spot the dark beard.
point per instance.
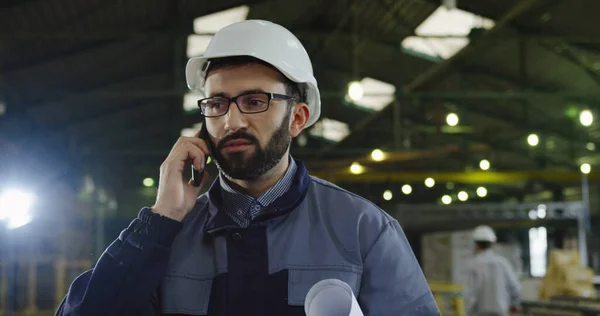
(238, 166)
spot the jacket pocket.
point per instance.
(185, 295)
(302, 279)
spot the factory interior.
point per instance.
(446, 114)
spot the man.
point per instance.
(492, 285)
(265, 231)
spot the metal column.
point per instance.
(583, 221)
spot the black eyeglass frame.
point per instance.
(270, 96)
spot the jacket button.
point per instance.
(236, 236)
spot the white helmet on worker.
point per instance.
(484, 233)
(269, 42)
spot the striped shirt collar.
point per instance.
(242, 208)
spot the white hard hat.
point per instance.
(269, 42)
(484, 233)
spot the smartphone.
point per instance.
(197, 175)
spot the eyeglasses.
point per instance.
(248, 103)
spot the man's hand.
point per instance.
(176, 197)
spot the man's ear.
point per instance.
(300, 115)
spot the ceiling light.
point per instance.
(387, 195)
(429, 182)
(463, 196)
(356, 168)
(330, 129)
(586, 118)
(452, 119)
(590, 146)
(355, 91)
(533, 140)
(484, 164)
(148, 182)
(406, 189)
(377, 155)
(481, 192)
(585, 168)
(446, 199)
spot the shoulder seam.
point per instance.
(387, 225)
(388, 216)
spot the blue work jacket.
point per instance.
(208, 265)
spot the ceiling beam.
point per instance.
(473, 177)
(300, 33)
(436, 71)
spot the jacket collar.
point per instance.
(286, 203)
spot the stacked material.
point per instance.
(445, 256)
(566, 277)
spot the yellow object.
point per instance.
(566, 277)
(471, 177)
(449, 298)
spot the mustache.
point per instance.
(237, 135)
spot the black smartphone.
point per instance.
(198, 174)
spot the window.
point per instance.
(538, 247)
(376, 94)
(211, 23)
(443, 22)
(197, 43)
(330, 130)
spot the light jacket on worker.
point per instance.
(208, 265)
(492, 285)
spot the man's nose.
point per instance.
(234, 119)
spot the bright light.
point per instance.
(148, 182)
(446, 199)
(15, 208)
(533, 140)
(585, 168)
(355, 91)
(377, 155)
(406, 189)
(590, 146)
(209, 160)
(463, 196)
(538, 251)
(533, 214)
(484, 164)
(444, 21)
(375, 94)
(452, 119)
(330, 130)
(586, 118)
(481, 192)
(357, 168)
(211, 23)
(387, 195)
(541, 213)
(429, 182)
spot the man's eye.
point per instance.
(257, 102)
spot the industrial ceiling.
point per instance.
(96, 88)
